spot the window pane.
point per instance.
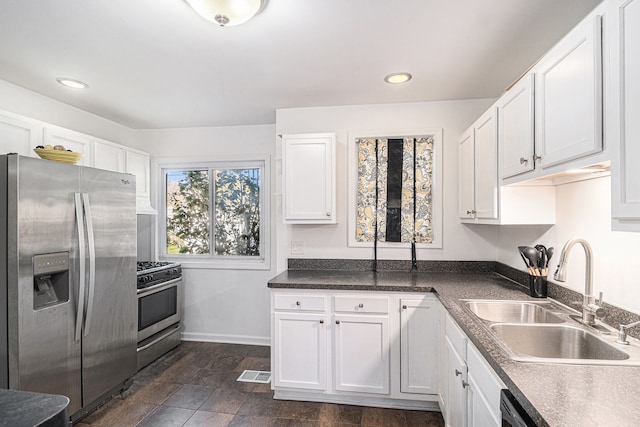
(188, 212)
(237, 211)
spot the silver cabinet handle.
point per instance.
(322, 322)
(468, 212)
(523, 161)
(328, 213)
(298, 303)
(404, 307)
(536, 158)
(458, 372)
(337, 322)
(465, 384)
(361, 305)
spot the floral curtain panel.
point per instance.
(392, 173)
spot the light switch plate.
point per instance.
(297, 247)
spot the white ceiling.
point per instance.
(156, 64)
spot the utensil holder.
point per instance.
(538, 286)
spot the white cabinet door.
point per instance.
(483, 394)
(456, 393)
(486, 166)
(308, 178)
(109, 156)
(19, 135)
(300, 351)
(71, 140)
(624, 131)
(478, 409)
(515, 129)
(466, 175)
(137, 163)
(419, 347)
(361, 351)
(569, 96)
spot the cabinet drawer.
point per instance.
(299, 302)
(356, 304)
(456, 336)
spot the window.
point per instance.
(214, 212)
(395, 189)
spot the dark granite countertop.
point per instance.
(26, 409)
(553, 394)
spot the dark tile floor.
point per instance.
(195, 385)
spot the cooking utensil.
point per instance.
(532, 256)
(542, 256)
(549, 255)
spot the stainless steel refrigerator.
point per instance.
(67, 270)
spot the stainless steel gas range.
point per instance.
(159, 288)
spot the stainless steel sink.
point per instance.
(512, 311)
(531, 342)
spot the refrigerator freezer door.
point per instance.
(41, 219)
(110, 334)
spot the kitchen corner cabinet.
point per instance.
(71, 140)
(481, 200)
(355, 347)
(478, 165)
(624, 110)
(19, 135)
(138, 163)
(472, 395)
(516, 129)
(568, 96)
(309, 178)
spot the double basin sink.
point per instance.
(545, 332)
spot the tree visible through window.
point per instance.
(226, 201)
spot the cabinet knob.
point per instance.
(523, 161)
(328, 213)
(468, 212)
(465, 384)
(337, 322)
(536, 158)
(404, 307)
(298, 303)
(322, 322)
(361, 305)
(458, 372)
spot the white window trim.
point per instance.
(262, 262)
(436, 199)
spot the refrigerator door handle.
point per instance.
(81, 256)
(92, 262)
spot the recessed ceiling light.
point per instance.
(398, 78)
(72, 83)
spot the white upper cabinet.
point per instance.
(624, 113)
(466, 175)
(109, 156)
(308, 178)
(568, 96)
(486, 166)
(516, 129)
(71, 140)
(137, 163)
(19, 135)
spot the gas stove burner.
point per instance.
(145, 266)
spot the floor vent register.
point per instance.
(248, 376)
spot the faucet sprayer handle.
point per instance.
(599, 301)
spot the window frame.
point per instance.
(212, 260)
(437, 191)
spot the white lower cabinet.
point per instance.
(372, 348)
(472, 395)
(361, 351)
(300, 350)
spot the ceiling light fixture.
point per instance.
(227, 13)
(72, 83)
(397, 78)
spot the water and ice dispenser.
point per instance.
(50, 279)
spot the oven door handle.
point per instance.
(157, 288)
(160, 338)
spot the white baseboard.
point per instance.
(227, 339)
(378, 402)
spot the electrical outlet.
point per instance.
(297, 247)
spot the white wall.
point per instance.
(24, 102)
(330, 241)
(219, 305)
(584, 209)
